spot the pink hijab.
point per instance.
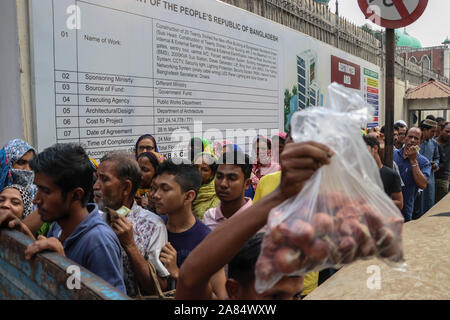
(259, 169)
(275, 155)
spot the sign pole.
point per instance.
(390, 98)
(391, 14)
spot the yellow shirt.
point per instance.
(266, 185)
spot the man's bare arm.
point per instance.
(218, 285)
(397, 198)
(298, 161)
(419, 178)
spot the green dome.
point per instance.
(405, 40)
(446, 41)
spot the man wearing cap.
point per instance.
(414, 168)
(430, 150)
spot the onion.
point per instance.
(301, 233)
(287, 260)
(264, 268)
(322, 224)
(318, 250)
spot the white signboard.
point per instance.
(108, 71)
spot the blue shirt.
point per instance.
(410, 188)
(186, 241)
(250, 192)
(94, 245)
(430, 150)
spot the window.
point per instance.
(426, 63)
(301, 81)
(413, 60)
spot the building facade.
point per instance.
(435, 59)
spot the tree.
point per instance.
(366, 27)
(287, 98)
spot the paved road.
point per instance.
(426, 244)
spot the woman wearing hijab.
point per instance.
(19, 153)
(206, 197)
(263, 164)
(278, 142)
(145, 143)
(149, 163)
(16, 199)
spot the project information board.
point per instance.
(107, 71)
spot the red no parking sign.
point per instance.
(392, 14)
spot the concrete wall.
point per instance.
(10, 93)
(428, 104)
(400, 111)
(399, 105)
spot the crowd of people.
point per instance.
(420, 174)
(197, 224)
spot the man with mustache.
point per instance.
(414, 168)
(142, 234)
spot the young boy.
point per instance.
(173, 190)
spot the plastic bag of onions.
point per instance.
(342, 213)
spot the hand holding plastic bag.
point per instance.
(342, 213)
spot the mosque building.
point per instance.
(436, 58)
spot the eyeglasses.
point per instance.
(150, 148)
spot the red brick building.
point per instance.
(436, 59)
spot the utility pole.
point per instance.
(390, 97)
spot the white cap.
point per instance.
(401, 122)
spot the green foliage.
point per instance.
(287, 100)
